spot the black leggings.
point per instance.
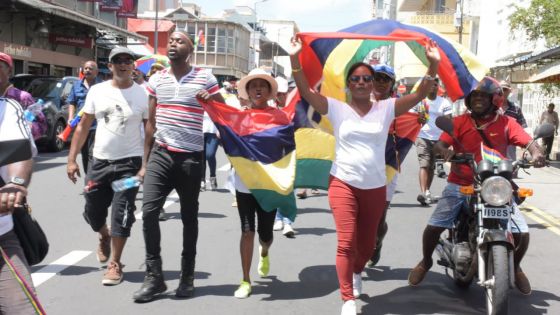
(248, 206)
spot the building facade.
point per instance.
(56, 37)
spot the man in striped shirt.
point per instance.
(174, 147)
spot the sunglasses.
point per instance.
(380, 77)
(119, 61)
(356, 78)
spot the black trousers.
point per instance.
(167, 170)
(547, 142)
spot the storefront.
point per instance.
(40, 61)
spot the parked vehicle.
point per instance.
(23, 80)
(54, 92)
(481, 242)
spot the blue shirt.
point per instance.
(78, 95)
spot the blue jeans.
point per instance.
(449, 206)
(280, 217)
(210, 148)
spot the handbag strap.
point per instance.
(31, 296)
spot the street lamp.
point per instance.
(255, 32)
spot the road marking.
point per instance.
(546, 220)
(225, 167)
(171, 199)
(49, 271)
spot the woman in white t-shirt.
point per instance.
(357, 183)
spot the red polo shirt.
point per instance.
(501, 133)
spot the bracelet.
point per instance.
(295, 70)
(429, 78)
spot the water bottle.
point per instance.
(33, 110)
(125, 183)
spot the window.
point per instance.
(440, 6)
(230, 42)
(221, 40)
(211, 39)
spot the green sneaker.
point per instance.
(264, 264)
(243, 291)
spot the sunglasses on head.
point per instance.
(122, 61)
(380, 77)
(356, 78)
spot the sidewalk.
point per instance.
(545, 183)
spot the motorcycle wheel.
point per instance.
(497, 266)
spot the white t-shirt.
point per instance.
(360, 142)
(12, 127)
(208, 125)
(438, 107)
(120, 114)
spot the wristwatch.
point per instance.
(17, 181)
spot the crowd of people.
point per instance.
(151, 128)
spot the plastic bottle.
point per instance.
(126, 183)
(33, 110)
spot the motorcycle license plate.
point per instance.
(496, 213)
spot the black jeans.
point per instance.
(12, 298)
(167, 170)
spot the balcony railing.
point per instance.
(435, 18)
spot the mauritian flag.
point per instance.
(260, 146)
(490, 154)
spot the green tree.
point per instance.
(540, 20)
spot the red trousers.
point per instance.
(357, 213)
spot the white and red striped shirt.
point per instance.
(178, 114)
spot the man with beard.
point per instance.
(483, 124)
(174, 160)
(76, 100)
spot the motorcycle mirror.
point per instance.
(14, 151)
(543, 131)
(445, 124)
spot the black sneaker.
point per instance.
(422, 199)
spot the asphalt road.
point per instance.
(302, 278)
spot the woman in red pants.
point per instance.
(357, 182)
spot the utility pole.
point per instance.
(461, 23)
(156, 29)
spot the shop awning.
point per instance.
(548, 74)
(81, 18)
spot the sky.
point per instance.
(309, 15)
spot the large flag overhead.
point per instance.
(259, 144)
(327, 56)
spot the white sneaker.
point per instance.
(288, 231)
(357, 284)
(278, 225)
(203, 185)
(428, 197)
(349, 308)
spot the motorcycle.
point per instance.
(481, 241)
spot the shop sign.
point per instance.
(84, 42)
(17, 50)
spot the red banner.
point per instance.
(129, 9)
(84, 42)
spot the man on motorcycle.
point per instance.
(481, 124)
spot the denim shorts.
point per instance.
(449, 206)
